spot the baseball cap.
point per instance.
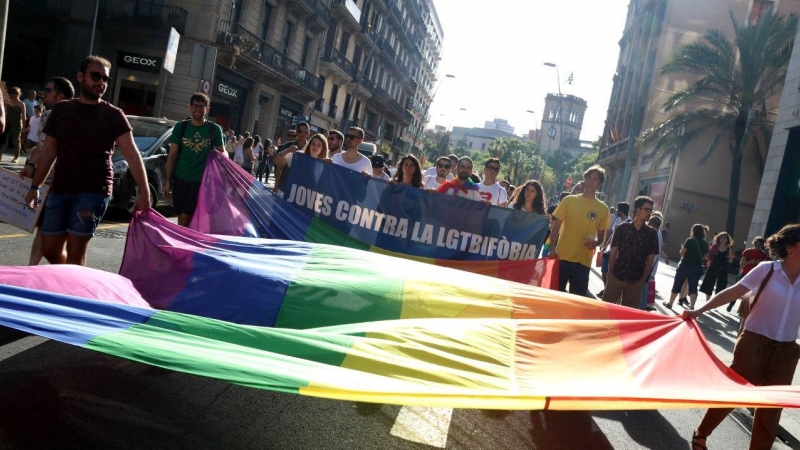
(377, 161)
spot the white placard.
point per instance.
(172, 50)
(12, 201)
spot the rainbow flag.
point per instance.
(232, 202)
(365, 327)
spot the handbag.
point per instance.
(747, 306)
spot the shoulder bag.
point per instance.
(747, 306)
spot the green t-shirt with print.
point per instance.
(193, 148)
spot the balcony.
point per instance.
(368, 84)
(338, 64)
(368, 35)
(151, 15)
(302, 8)
(348, 11)
(321, 18)
(247, 48)
(57, 7)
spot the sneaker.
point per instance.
(650, 308)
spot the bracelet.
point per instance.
(35, 187)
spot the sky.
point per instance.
(497, 49)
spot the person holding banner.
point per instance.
(441, 173)
(584, 220)
(530, 198)
(56, 90)
(409, 172)
(491, 191)
(300, 134)
(351, 158)
(462, 185)
(81, 135)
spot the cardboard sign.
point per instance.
(12, 201)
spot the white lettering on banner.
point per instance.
(140, 61)
(227, 90)
(356, 215)
(12, 201)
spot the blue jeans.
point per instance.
(77, 214)
(576, 274)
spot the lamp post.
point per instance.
(560, 113)
(424, 123)
(450, 127)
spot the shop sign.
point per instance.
(287, 114)
(231, 93)
(142, 63)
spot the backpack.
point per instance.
(182, 130)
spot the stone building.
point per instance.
(686, 191)
(266, 64)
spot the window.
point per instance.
(470, 144)
(236, 10)
(347, 100)
(334, 94)
(344, 42)
(388, 132)
(760, 7)
(483, 146)
(287, 37)
(306, 48)
(358, 110)
(266, 14)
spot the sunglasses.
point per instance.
(444, 166)
(353, 137)
(97, 76)
(495, 168)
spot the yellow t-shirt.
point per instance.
(582, 218)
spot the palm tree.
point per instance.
(738, 79)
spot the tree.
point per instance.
(737, 78)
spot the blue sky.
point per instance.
(496, 50)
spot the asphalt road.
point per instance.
(57, 396)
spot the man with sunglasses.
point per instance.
(300, 136)
(351, 158)
(80, 140)
(56, 90)
(490, 189)
(441, 173)
(189, 145)
(634, 248)
(462, 186)
(434, 171)
(335, 141)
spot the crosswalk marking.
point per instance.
(424, 425)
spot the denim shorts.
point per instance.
(77, 214)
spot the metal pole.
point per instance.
(3, 24)
(94, 27)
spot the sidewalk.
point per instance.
(719, 328)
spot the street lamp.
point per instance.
(560, 113)
(450, 127)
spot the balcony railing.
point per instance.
(246, 43)
(322, 12)
(368, 84)
(336, 57)
(157, 16)
(59, 7)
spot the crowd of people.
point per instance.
(69, 142)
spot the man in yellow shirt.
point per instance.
(580, 222)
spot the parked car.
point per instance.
(367, 149)
(150, 135)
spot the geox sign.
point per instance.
(138, 62)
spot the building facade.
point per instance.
(499, 124)
(266, 64)
(562, 116)
(685, 190)
(473, 139)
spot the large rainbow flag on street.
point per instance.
(232, 202)
(341, 323)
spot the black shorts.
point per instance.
(184, 196)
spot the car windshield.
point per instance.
(145, 133)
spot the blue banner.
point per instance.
(409, 220)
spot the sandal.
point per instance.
(698, 442)
(667, 304)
